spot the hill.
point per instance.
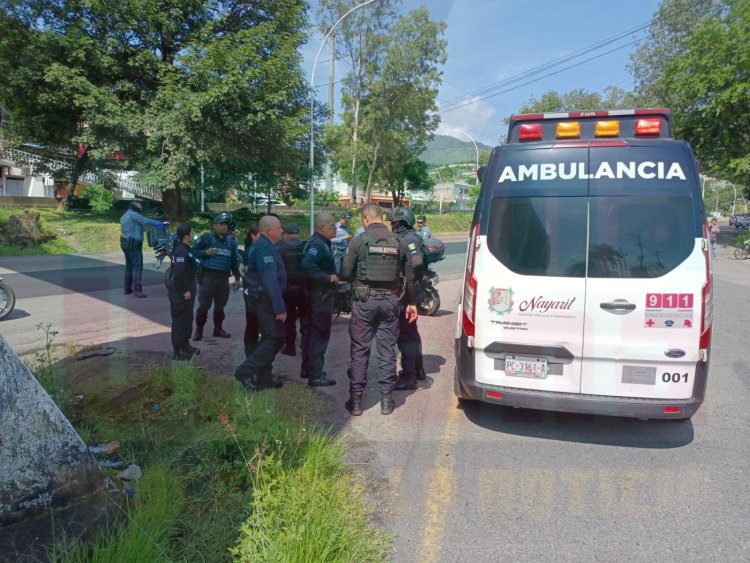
(444, 150)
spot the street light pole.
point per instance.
(475, 144)
(312, 112)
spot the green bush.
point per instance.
(100, 198)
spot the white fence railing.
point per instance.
(107, 178)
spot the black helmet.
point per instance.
(223, 218)
(404, 214)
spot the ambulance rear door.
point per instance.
(645, 274)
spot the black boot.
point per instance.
(321, 381)
(386, 403)
(405, 383)
(200, 321)
(421, 373)
(266, 379)
(289, 350)
(198, 333)
(219, 332)
(354, 404)
(192, 349)
(249, 382)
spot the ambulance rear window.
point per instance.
(629, 236)
(639, 237)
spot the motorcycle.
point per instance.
(428, 298)
(7, 299)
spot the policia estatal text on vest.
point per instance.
(377, 262)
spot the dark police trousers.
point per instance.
(260, 362)
(252, 335)
(375, 318)
(133, 250)
(214, 287)
(318, 332)
(182, 319)
(410, 345)
(297, 307)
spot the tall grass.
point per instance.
(227, 474)
(310, 511)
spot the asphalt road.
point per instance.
(486, 483)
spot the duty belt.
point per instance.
(381, 291)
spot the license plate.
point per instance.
(522, 366)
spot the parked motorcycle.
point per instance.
(428, 298)
(7, 299)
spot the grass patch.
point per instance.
(226, 474)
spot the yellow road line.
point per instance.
(439, 493)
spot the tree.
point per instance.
(552, 101)
(399, 111)
(413, 175)
(355, 40)
(173, 85)
(702, 72)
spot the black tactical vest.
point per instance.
(383, 263)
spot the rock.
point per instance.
(44, 463)
(132, 473)
(23, 230)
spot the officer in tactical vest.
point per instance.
(264, 280)
(319, 264)
(409, 341)
(219, 257)
(377, 263)
(292, 250)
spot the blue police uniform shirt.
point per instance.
(132, 224)
(184, 267)
(318, 260)
(228, 258)
(265, 271)
(425, 232)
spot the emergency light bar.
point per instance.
(622, 124)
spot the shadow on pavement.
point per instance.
(581, 428)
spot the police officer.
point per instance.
(131, 243)
(182, 294)
(376, 261)
(295, 298)
(321, 269)
(409, 341)
(219, 257)
(340, 241)
(263, 282)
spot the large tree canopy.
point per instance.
(172, 85)
(699, 66)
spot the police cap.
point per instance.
(291, 229)
(223, 218)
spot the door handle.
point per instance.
(618, 305)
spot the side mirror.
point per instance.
(480, 173)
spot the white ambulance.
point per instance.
(588, 284)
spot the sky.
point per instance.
(491, 41)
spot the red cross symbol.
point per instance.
(650, 322)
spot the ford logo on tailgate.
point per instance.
(674, 353)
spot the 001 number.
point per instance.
(667, 377)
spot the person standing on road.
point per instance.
(295, 298)
(219, 257)
(263, 282)
(182, 294)
(409, 341)
(318, 263)
(424, 230)
(713, 233)
(131, 243)
(376, 262)
(251, 336)
(340, 241)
